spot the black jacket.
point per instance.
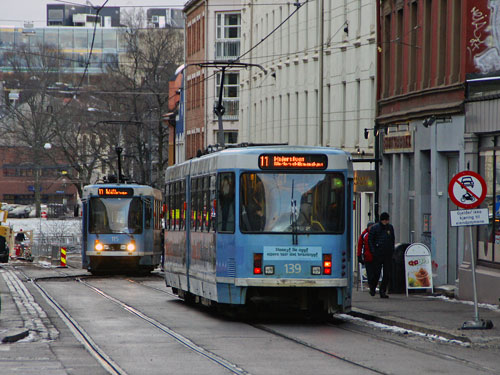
(381, 240)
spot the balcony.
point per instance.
(227, 49)
(231, 107)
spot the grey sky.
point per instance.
(16, 12)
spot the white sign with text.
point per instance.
(469, 217)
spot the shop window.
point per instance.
(488, 247)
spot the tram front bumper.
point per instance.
(341, 282)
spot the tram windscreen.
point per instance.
(292, 203)
(115, 215)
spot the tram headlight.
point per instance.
(131, 246)
(98, 246)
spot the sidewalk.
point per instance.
(435, 315)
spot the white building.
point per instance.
(305, 62)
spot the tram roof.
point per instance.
(246, 158)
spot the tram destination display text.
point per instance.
(115, 192)
(293, 161)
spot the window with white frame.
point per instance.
(228, 34)
(230, 94)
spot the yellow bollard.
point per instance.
(63, 257)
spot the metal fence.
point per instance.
(49, 246)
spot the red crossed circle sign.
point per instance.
(467, 189)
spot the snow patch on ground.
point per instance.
(400, 331)
(471, 303)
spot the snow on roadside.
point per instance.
(482, 305)
(48, 227)
(401, 331)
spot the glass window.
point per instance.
(292, 203)
(488, 249)
(66, 38)
(115, 215)
(228, 25)
(109, 39)
(225, 202)
(80, 40)
(148, 213)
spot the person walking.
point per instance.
(365, 256)
(381, 243)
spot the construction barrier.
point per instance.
(63, 257)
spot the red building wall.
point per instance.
(421, 57)
(195, 78)
(17, 179)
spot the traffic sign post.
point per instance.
(467, 190)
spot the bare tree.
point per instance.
(48, 114)
(29, 123)
(141, 92)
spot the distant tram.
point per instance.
(122, 228)
(262, 225)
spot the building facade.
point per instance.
(213, 32)
(314, 82)
(18, 174)
(426, 51)
(482, 140)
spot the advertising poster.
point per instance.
(418, 267)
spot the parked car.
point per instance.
(20, 211)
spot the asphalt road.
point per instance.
(139, 327)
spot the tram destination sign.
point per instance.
(293, 161)
(116, 192)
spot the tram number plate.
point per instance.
(293, 268)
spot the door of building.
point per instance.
(453, 257)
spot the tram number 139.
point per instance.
(293, 268)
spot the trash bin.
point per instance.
(398, 284)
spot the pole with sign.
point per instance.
(467, 190)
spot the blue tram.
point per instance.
(262, 224)
(122, 227)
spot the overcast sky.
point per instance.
(16, 12)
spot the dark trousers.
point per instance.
(373, 270)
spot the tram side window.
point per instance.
(206, 203)
(194, 202)
(177, 206)
(225, 204)
(169, 205)
(135, 216)
(212, 197)
(148, 213)
(98, 222)
(182, 207)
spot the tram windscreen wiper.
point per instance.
(293, 216)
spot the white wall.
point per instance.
(285, 108)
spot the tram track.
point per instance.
(422, 350)
(372, 335)
(100, 355)
(114, 368)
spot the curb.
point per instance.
(410, 325)
(15, 335)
